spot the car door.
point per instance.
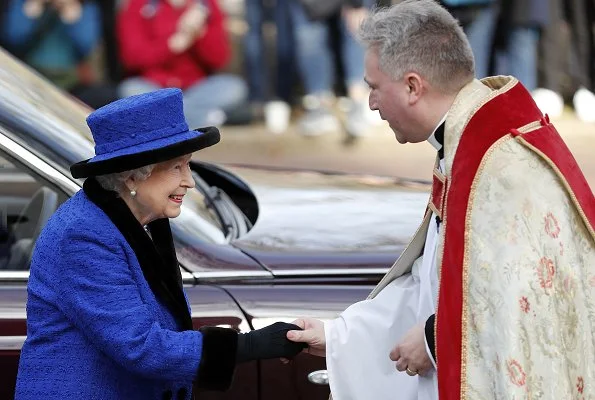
(30, 191)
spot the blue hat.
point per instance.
(141, 130)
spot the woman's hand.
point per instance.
(268, 342)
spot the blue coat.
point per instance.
(105, 320)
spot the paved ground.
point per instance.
(378, 153)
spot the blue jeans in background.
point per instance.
(204, 102)
(314, 55)
(519, 57)
(480, 33)
(257, 68)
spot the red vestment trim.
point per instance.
(439, 187)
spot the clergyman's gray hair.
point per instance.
(115, 181)
(420, 36)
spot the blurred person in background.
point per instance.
(567, 63)
(478, 19)
(183, 44)
(552, 62)
(516, 48)
(580, 15)
(259, 71)
(315, 63)
(57, 38)
(111, 62)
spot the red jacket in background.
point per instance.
(144, 50)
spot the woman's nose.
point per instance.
(188, 180)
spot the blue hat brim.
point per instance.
(147, 153)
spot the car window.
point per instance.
(26, 204)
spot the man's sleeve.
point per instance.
(431, 338)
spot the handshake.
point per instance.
(268, 342)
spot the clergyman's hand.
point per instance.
(410, 354)
(312, 334)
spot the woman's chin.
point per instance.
(173, 213)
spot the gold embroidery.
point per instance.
(465, 267)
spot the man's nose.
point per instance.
(372, 104)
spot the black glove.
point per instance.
(268, 342)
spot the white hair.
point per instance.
(115, 181)
(423, 37)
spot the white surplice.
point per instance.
(359, 341)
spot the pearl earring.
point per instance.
(133, 193)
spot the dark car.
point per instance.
(255, 245)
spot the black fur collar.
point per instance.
(156, 257)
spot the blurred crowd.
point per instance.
(312, 69)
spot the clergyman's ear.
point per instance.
(415, 86)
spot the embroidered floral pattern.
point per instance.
(545, 272)
(551, 225)
(580, 384)
(543, 308)
(524, 303)
(569, 284)
(516, 373)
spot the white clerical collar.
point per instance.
(432, 139)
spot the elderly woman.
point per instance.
(107, 317)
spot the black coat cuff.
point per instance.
(431, 335)
(218, 358)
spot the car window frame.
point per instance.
(39, 169)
